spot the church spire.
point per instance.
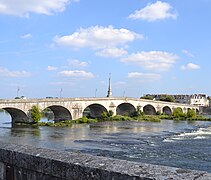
(109, 87)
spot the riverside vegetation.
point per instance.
(138, 116)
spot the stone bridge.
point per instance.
(74, 108)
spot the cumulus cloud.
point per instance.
(156, 11)
(144, 76)
(51, 68)
(77, 63)
(190, 66)
(76, 74)
(112, 52)
(4, 72)
(23, 8)
(154, 60)
(186, 52)
(26, 36)
(97, 37)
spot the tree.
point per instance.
(191, 113)
(147, 97)
(35, 114)
(177, 113)
(167, 98)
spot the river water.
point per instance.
(173, 143)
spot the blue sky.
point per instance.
(69, 47)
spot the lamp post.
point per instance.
(95, 92)
(61, 92)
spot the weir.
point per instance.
(21, 162)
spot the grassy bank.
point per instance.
(86, 120)
(138, 116)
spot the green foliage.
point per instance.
(110, 113)
(158, 113)
(35, 114)
(104, 115)
(164, 116)
(167, 98)
(83, 120)
(147, 97)
(120, 118)
(191, 113)
(138, 112)
(149, 118)
(178, 114)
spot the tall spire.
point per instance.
(109, 87)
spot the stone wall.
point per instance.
(23, 162)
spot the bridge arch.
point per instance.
(17, 115)
(167, 110)
(149, 110)
(60, 113)
(94, 110)
(125, 109)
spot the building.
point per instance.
(199, 100)
(195, 99)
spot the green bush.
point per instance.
(138, 112)
(191, 113)
(167, 98)
(149, 118)
(147, 97)
(35, 114)
(178, 114)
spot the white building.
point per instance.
(195, 99)
(199, 100)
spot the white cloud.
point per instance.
(4, 72)
(112, 52)
(97, 37)
(187, 53)
(190, 66)
(76, 74)
(26, 36)
(155, 60)
(152, 12)
(77, 63)
(51, 68)
(23, 8)
(144, 76)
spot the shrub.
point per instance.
(178, 114)
(191, 113)
(35, 114)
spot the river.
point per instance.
(172, 143)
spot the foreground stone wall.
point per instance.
(23, 162)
